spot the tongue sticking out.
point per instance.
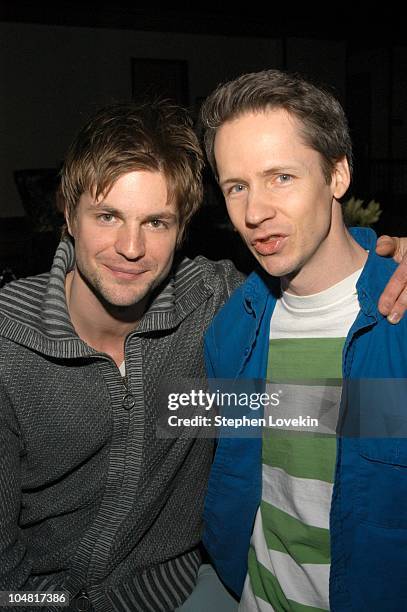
(269, 246)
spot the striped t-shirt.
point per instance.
(289, 557)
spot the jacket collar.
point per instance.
(33, 311)
(375, 274)
(258, 287)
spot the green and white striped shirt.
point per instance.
(289, 557)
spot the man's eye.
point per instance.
(237, 188)
(284, 178)
(106, 217)
(157, 223)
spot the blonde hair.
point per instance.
(121, 138)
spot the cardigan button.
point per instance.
(128, 401)
(246, 351)
(82, 602)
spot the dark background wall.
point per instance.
(57, 65)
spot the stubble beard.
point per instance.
(111, 296)
(118, 294)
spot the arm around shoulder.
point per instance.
(223, 275)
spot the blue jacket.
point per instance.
(368, 522)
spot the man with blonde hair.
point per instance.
(92, 503)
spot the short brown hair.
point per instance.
(322, 120)
(121, 138)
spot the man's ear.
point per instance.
(69, 223)
(340, 178)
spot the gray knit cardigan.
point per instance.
(90, 499)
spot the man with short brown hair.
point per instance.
(298, 518)
(92, 503)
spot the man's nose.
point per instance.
(130, 242)
(259, 207)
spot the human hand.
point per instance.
(393, 301)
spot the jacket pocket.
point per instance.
(383, 482)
